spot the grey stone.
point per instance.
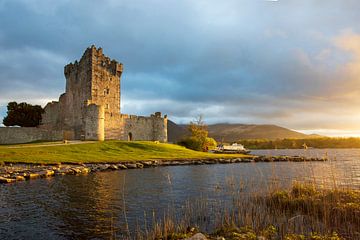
(198, 236)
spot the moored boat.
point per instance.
(233, 148)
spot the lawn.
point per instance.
(100, 152)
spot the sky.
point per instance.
(293, 63)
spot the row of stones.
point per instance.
(20, 172)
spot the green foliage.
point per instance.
(322, 142)
(192, 143)
(23, 115)
(198, 140)
(210, 143)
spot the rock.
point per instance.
(7, 180)
(46, 173)
(198, 236)
(209, 161)
(103, 167)
(247, 160)
(261, 238)
(60, 171)
(85, 170)
(76, 170)
(113, 167)
(20, 178)
(147, 164)
(31, 175)
(139, 165)
(131, 165)
(122, 166)
(224, 161)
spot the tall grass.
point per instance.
(277, 215)
(303, 211)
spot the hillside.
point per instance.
(233, 132)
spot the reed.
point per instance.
(303, 211)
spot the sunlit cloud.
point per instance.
(291, 63)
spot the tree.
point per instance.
(198, 139)
(23, 115)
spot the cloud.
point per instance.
(293, 63)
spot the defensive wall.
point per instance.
(13, 135)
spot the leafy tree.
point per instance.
(198, 139)
(23, 115)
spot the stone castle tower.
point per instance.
(90, 107)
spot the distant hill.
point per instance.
(232, 132)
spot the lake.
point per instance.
(103, 204)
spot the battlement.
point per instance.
(94, 57)
(90, 106)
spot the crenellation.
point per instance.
(90, 107)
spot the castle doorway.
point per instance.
(130, 137)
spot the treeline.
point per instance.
(324, 142)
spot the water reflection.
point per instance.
(101, 205)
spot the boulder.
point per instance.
(139, 165)
(7, 180)
(147, 164)
(31, 175)
(131, 165)
(113, 167)
(85, 170)
(198, 236)
(46, 173)
(20, 178)
(122, 166)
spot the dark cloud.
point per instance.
(293, 63)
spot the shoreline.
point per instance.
(17, 172)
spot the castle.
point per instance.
(90, 108)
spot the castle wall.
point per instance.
(12, 135)
(90, 107)
(50, 119)
(114, 126)
(130, 127)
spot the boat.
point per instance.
(233, 148)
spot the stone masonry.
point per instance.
(90, 107)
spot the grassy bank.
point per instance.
(99, 152)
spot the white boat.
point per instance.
(233, 148)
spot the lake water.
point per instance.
(100, 205)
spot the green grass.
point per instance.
(100, 152)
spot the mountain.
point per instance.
(176, 132)
(234, 132)
(227, 132)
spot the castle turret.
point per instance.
(94, 123)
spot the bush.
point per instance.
(23, 115)
(210, 143)
(192, 143)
